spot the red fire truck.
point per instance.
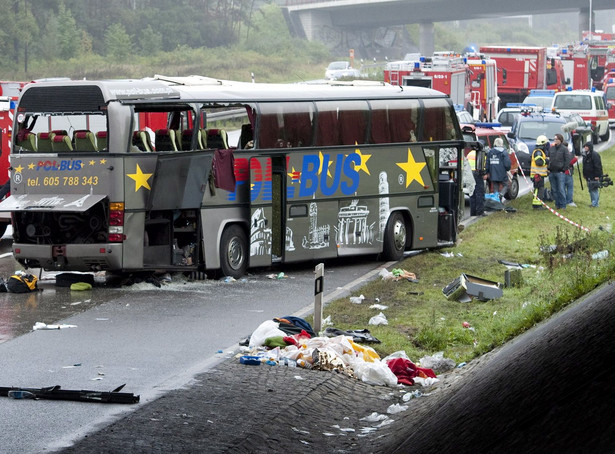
(521, 69)
(576, 67)
(483, 86)
(9, 93)
(444, 71)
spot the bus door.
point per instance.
(172, 223)
(262, 218)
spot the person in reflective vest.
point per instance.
(538, 170)
(477, 159)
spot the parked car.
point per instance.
(463, 115)
(486, 134)
(589, 104)
(540, 98)
(529, 125)
(341, 69)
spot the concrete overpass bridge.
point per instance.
(349, 23)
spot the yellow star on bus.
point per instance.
(19, 168)
(92, 162)
(364, 159)
(140, 179)
(412, 169)
(31, 166)
(321, 159)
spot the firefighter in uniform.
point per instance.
(538, 170)
(477, 159)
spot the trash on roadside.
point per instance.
(56, 393)
(396, 408)
(22, 282)
(68, 279)
(437, 362)
(513, 278)
(466, 287)
(358, 335)
(43, 326)
(280, 275)
(600, 255)
(380, 307)
(81, 286)
(357, 299)
(379, 319)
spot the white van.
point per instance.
(589, 104)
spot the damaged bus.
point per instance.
(134, 175)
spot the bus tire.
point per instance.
(395, 237)
(234, 251)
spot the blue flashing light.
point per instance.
(13, 105)
(542, 93)
(465, 60)
(569, 89)
(520, 104)
(564, 51)
(422, 59)
(593, 89)
(508, 49)
(487, 125)
(483, 62)
(417, 65)
(610, 81)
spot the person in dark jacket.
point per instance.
(497, 167)
(559, 160)
(592, 171)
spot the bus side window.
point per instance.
(403, 129)
(380, 126)
(353, 124)
(101, 140)
(298, 129)
(327, 124)
(268, 130)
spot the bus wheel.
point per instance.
(394, 238)
(234, 251)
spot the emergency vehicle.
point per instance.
(444, 71)
(483, 86)
(609, 92)
(576, 67)
(9, 93)
(521, 69)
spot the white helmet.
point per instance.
(541, 140)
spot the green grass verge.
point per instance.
(427, 323)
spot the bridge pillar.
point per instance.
(584, 21)
(426, 38)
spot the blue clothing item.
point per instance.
(498, 163)
(557, 189)
(568, 188)
(594, 196)
(477, 199)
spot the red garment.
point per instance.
(405, 371)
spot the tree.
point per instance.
(69, 35)
(118, 43)
(150, 41)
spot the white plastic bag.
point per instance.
(268, 328)
(379, 319)
(374, 373)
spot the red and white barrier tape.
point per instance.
(555, 212)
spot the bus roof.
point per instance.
(197, 88)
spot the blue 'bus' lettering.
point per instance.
(352, 174)
(309, 175)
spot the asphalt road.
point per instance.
(153, 339)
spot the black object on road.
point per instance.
(56, 393)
